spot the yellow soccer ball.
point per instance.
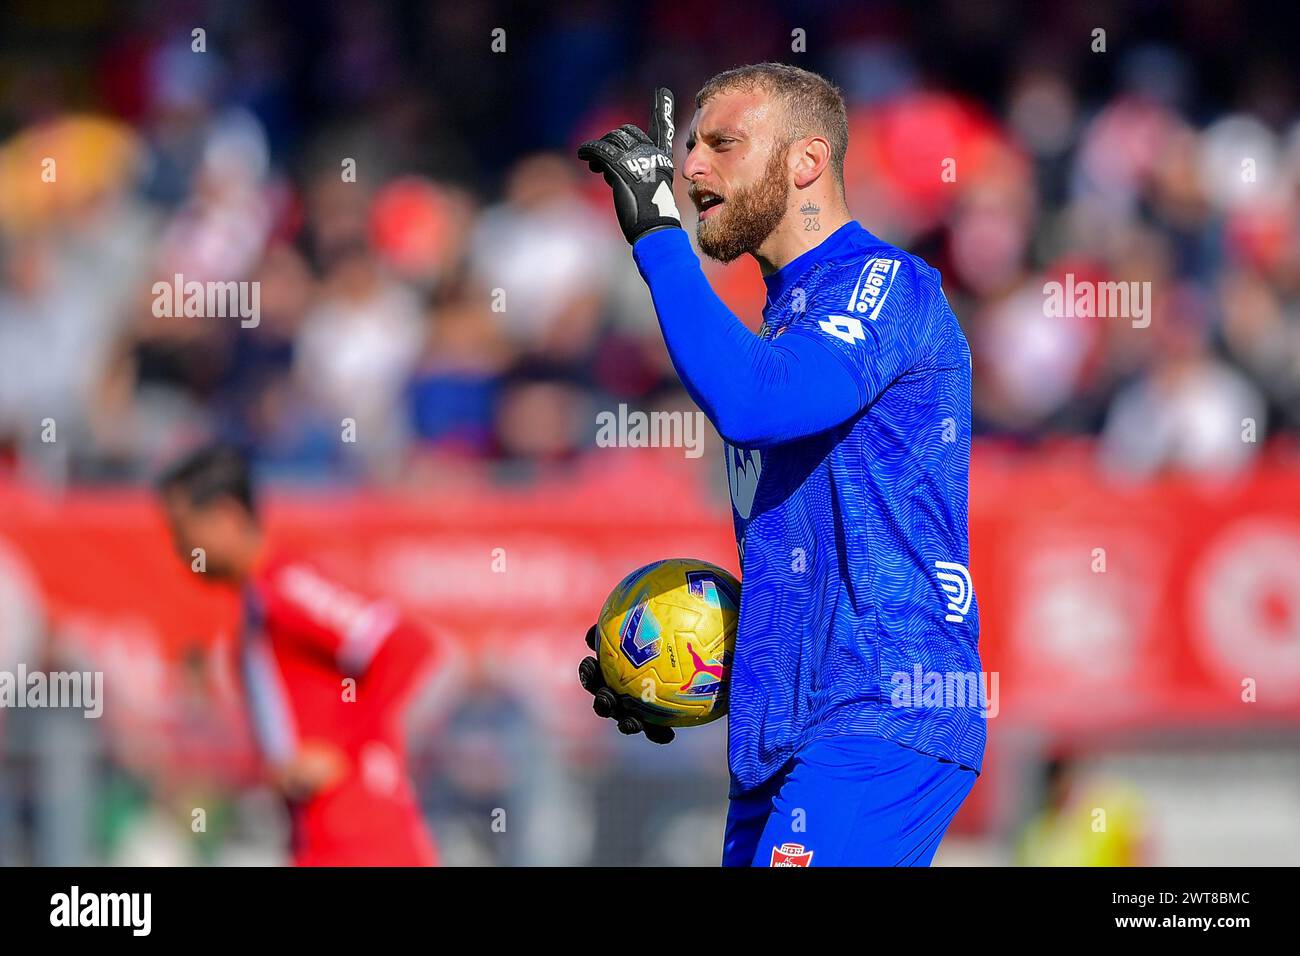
(666, 636)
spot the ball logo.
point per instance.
(708, 677)
(638, 638)
(713, 591)
(791, 854)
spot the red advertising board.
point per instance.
(1103, 604)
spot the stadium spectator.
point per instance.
(456, 292)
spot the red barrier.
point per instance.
(1102, 605)
(1105, 603)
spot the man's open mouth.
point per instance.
(707, 202)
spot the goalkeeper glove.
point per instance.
(619, 707)
(639, 168)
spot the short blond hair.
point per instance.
(813, 105)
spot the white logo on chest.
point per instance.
(955, 582)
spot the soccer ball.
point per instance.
(666, 636)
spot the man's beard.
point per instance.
(749, 215)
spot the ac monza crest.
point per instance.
(791, 854)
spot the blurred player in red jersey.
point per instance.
(334, 750)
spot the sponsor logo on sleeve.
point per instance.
(873, 287)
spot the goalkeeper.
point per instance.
(856, 723)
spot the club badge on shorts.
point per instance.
(791, 854)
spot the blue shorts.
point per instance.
(847, 801)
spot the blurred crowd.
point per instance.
(440, 281)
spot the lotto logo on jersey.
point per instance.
(844, 327)
(873, 287)
(791, 854)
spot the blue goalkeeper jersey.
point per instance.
(857, 610)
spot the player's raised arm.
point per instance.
(755, 392)
(640, 171)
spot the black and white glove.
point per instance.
(618, 707)
(639, 168)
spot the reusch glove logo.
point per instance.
(644, 165)
(639, 169)
(664, 134)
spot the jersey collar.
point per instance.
(788, 276)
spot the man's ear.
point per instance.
(811, 156)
